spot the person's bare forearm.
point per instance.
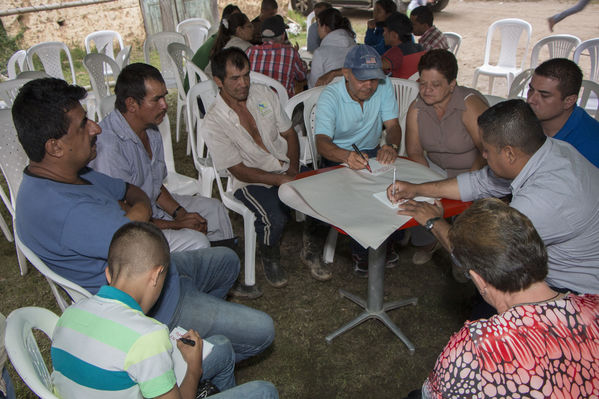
(139, 207)
(166, 202)
(393, 132)
(441, 231)
(292, 150)
(440, 189)
(330, 151)
(255, 175)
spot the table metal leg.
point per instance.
(374, 308)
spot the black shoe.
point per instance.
(240, 290)
(391, 257)
(360, 266)
(271, 262)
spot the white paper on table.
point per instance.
(343, 198)
(178, 362)
(376, 167)
(382, 196)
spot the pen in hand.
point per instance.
(393, 184)
(187, 341)
(355, 147)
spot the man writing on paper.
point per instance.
(549, 180)
(106, 346)
(354, 111)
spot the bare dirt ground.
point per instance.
(471, 19)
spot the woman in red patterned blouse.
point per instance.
(541, 344)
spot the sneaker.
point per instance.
(240, 290)
(318, 269)
(360, 266)
(425, 254)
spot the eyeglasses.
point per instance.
(459, 265)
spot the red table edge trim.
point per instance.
(450, 207)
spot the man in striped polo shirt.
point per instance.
(106, 345)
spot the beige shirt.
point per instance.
(230, 144)
(446, 140)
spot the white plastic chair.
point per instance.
(23, 351)
(206, 91)
(511, 30)
(9, 90)
(195, 31)
(558, 46)
(194, 72)
(104, 42)
(106, 106)
(33, 75)
(589, 98)
(160, 42)
(592, 47)
(454, 40)
(306, 151)
(74, 291)
(103, 72)
(492, 100)
(19, 59)
(49, 55)
(257, 77)
(12, 162)
(406, 91)
(178, 53)
(519, 86)
(122, 58)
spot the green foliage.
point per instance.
(8, 45)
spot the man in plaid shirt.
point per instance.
(275, 57)
(430, 36)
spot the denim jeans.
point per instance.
(205, 278)
(250, 390)
(219, 365)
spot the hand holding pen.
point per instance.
(357, 160)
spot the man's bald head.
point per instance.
(136, 248)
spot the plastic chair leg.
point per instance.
(328, 253)
(250, 249)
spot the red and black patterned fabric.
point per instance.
(548, 350)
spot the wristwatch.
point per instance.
(395, 147)
(430, 223)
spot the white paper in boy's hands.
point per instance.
(178, 361)
(382, 196)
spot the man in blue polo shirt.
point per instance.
(552, 95)
(354, 111)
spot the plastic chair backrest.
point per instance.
(49, 54)
(122, 58)
(309, 119)
(12, 156)
(194, 71)
(257, 77)
(195, 31)
(178, 53)
(492, 100)
(511, 30)
(207, 91)
(454, 40)
(592, 46)
(558, 46)
(23, 351)
(17, 59)
(9, 90)
(32, 75)
(106, 105)
(104, 42)
(589, 97)
(405, 91)
(97, 66)
(160, 42)
(519, 86)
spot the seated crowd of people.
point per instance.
(155, 260)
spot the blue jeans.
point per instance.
(250, 390)
(205, 278)
(10, 391)
(219, 365)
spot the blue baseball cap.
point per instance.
(364, 62)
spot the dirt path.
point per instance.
(471, 19)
